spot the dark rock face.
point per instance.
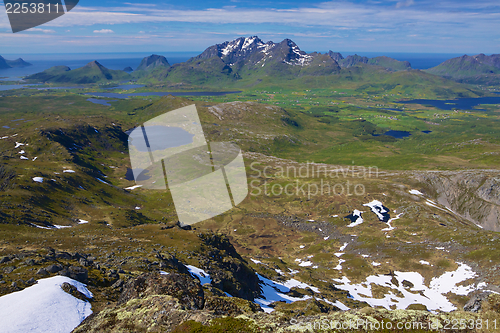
(75, 273)
(31, 281)
(54, 268)
(353, 60)
(335, 56)
(64, 255)
(228, 270)
(475, 302)
(4, 260)
(73, 291)
(171, 263)
(42, 272)
(181, 286)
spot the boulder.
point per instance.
(54, 268)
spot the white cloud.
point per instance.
(329, 15)
(389, 23)
(45, 31)
(406, 3)
(104, 31)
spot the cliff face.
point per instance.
(475, 195)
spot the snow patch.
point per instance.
(273, 291)
(339, 266)
(132, 187)
(337, 303)
(355, 218)
(200, 274)
(38, 179)
(389, 222)
(44, 307)
(378, 208)
(433, 297)
(416, 192)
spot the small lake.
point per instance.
(396, 134)
(455, 104)
(55, 88)
(163, 93)
(127, 86)
(159, 138)
(4, 87)
(101, 101)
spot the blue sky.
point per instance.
(417, 26)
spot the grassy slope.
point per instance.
(91, 73)
(84, 140)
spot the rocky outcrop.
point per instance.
(155, 302)
(184, 288)
(229, 272)
(474, 195)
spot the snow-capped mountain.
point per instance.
(251, 59)
(253, 51)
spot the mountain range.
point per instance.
(249, 60)
(229, 61)
(93, 72)
(4, 63)
(481, 69)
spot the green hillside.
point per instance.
(467, 67)
(92, 72)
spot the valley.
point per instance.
(345, 219)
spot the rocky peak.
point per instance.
(152, 62)
(335, 56)
(253, 51)
(3, 63)
(353, 60)
(94, 64)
